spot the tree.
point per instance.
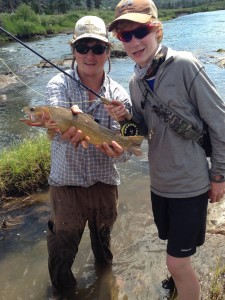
(39, 6)
(62, 6)
(9, 5)
(98, 4)
(78, 3)
(89, 4)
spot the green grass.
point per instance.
(24, 167)
(213, 285)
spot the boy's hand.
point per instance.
(117, 111)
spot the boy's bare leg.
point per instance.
(185, 278)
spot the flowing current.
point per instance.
(139, 256)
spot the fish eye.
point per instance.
(32, 109)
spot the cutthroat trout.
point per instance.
(57, 117)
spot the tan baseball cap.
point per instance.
(90, 27)
(140, 11)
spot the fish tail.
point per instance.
(136, 150)
(136, 142)
(136, 139)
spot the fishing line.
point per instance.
(38, 93)
(124, 128)
(11, 71)
(104, 100)
(21, 79)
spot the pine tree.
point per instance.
(89, 4)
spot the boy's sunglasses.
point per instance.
(138, 33)
(96, 49)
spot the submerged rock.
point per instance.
(3, 97)
(6, 80)
(60, 62)
(221, 63)
(66, 62)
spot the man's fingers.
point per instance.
(70, 133)
(113, 150)
(75, 109)
(85, 142)
(76, 137)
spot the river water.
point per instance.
(139, 256)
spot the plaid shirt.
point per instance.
(83, 167)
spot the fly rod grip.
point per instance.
(106, 101)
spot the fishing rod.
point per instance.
(128, 127)
(103, 99)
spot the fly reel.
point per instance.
(129, 128)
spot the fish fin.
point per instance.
(31, 123)
(51, 133)
(51, 124)
(136, 139)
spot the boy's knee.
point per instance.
(175, 265)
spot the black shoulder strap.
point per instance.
(176, 123)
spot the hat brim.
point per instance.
(91, 36)
(134, 17)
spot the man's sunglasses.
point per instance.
(96, 49)
(138, 33)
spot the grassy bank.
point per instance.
(25, 23)
(168, 14)
(24, 167)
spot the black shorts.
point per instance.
(181, 221)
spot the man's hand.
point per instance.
(74, 135)
(117, 111)
(113, 150)
(75, 109)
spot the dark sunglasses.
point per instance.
(96, 49)
(138, 33)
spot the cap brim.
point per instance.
(91, 36)
(134, 17)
